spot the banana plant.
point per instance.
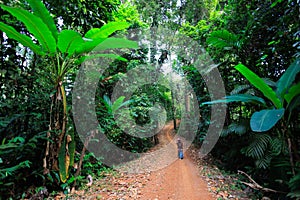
(65, 50)
(284, 98)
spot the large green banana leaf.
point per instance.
(35, 26)
(238, 98)
(259, 83)
(264, 120)
(115, 43)
(41, 11)
(293, 91)
(288, 78)
(69, 41)
(106, 30)
(23, 39)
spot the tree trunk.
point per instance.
(58, 155)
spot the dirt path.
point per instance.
(172, 179)
(178, 181)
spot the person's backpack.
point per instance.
(181, 155)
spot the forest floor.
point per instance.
(190, 179)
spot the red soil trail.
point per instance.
(178, 181)
(165, 177)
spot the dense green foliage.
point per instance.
(264, 36)
(256, 45)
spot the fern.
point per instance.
(294, 185)
(258, 146)
(264, 161)
(263, 148)
(235, 128)
(12, 170)
(278, 146)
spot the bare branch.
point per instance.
(255, 185)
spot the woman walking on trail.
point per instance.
(180, 148)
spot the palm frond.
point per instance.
(294, 185)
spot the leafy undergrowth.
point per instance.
(222, 184)
(112, 186)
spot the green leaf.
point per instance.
(259, 83)
(7, 146)
(35, 26)
(269, 82)
(264, 120)
(88, 46)
(69, 41)
(63, 174)
(107, 103)
(295, 103)
(288, 77)
(72, 147)
(91, 57)
(237, 98)
(106, 30)
(41, 11)
(239, 89)
(114, 43)
(119, 103)
(293, 91)
(275, 3)
(23, 39)
(104, 44)
(222, 39)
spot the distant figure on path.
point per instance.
(180, 148)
